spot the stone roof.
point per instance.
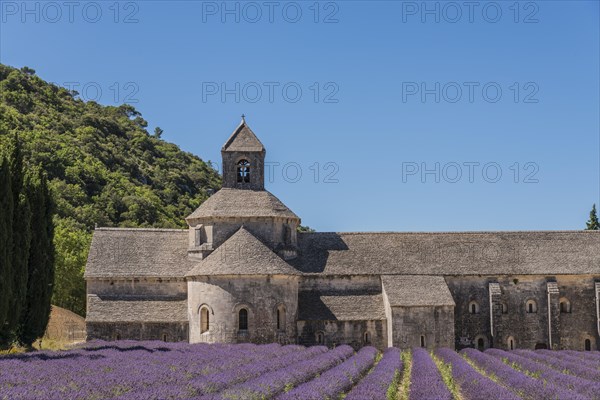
(315, 306)
(136, 310)
(126, 252)
(229, 202)
(416, 290)
(242, 254)
(243, 139)
(449, 253)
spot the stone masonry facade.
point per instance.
(242, 272)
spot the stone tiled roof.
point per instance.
(453, 253)
(315, 306)
(416, 290)
(136, 310)
(242, 254)
(138, 253)
(243, 139)
(242, 203)
(163, 253)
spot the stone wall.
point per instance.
(274, 232)
(469, 327)
(257, 172)
(581, 323)
(224, 296)
(512, 321)
(170, 332)
(341, 283)
(344, 332)
(150, 287)
(434, 323)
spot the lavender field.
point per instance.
(157, 370)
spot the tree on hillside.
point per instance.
(41, 260)
(21, 238)
(158, 132)
(72, 244)
(593, 224)
(103, 167)
(6, 220)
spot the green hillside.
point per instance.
(104, 169)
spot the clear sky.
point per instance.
(408, 110)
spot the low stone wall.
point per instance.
(351, 333)
(65, 326)
(169, 332)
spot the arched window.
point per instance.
(243, 320)
(511, 343)
(587, 345)
(480, 342)
(565, 306)
(204, 319)
(531, 307)
(319, 337)
(423, 344)
(165, 337)
(243, 171)
(504, 308)
(281, 318)
(474, 307)
(367, 338)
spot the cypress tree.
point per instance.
(593, 224)
(6, 219)
(21, 237)
(40, 277)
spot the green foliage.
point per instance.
(404, 386)
(41, 260)
(302, 228)
(446, 373)
(21, 236)
(72, 243)
(592, 224)
(103, 168)
(6, 221)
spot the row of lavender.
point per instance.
(155, 370)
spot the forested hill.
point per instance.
(103, 166)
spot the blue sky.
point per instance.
(370, 94)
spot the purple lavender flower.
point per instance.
(472, 384)
(335, 381)
(375, 385)
(269, 385)
(426, 380)
(525, 386)
(560, 362)
(548, 374)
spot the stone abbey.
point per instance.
(242, 272)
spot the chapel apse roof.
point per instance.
(243, 139)
(316, 306)
(416, 290)
(449, 253)
(229, 202)
(242, 254)
(138, 252)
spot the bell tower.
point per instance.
(243, 160)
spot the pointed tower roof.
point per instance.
(242, 254)
(243, 139)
